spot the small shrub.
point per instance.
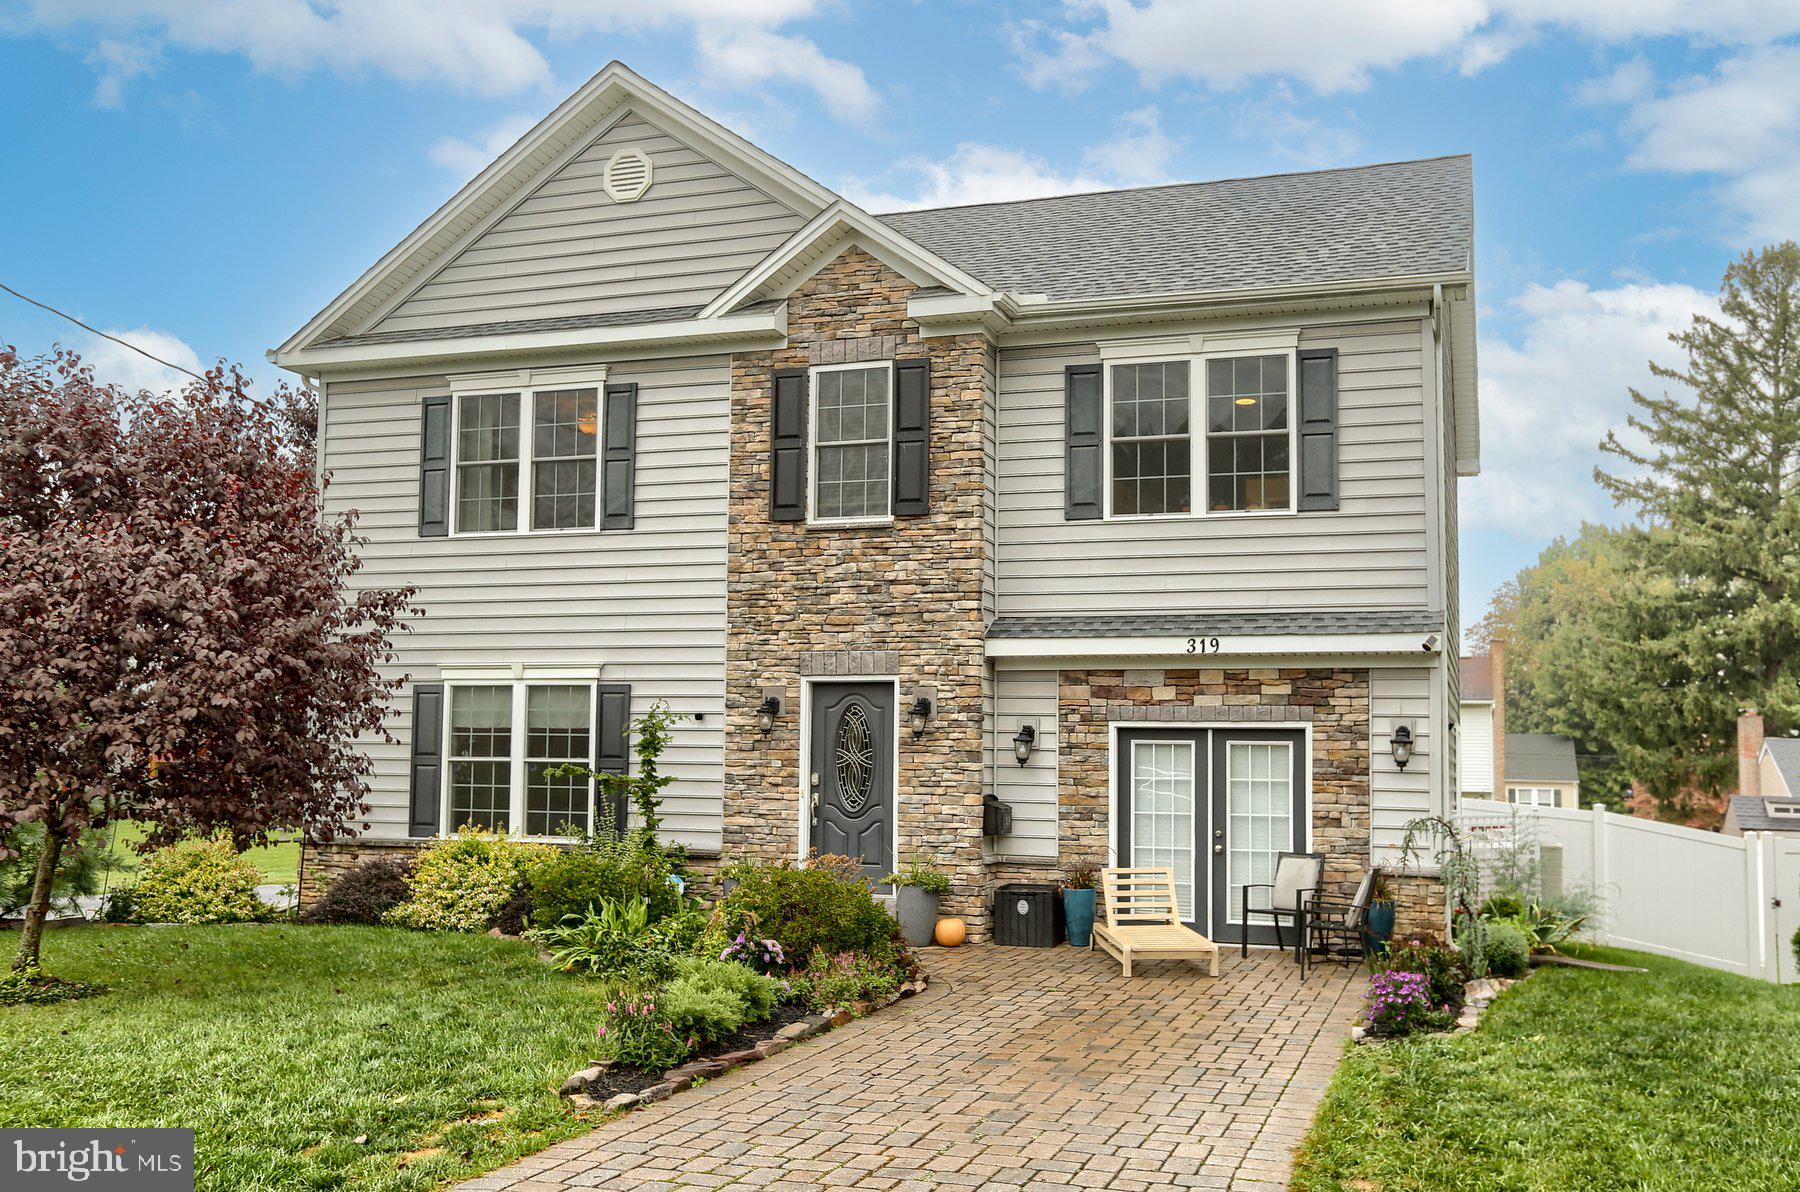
(463, 882)
(1400, 1003)
(198, 881)
(612, 940)
(363, 894)
(1508, 952)
(846, 978)
(635, 1032)
(760, 956)
(603, 868)
(826, 906)
(680, 933)
(921, 876)
(758, 993)
(699, 1010)
(1445, 970)
(29, 987)
(1505, 904)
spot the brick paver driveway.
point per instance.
(1018, 1068)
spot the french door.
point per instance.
(1215, 806)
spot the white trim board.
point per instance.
(1408, 648)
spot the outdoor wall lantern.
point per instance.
(1023, 740)
(766, 712)
(919, 715)
(1401, 745)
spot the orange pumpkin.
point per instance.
(951, 932)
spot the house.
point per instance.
(1133, 512)
(1768, 798)
(1536, 769)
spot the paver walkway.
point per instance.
(1018, 1068)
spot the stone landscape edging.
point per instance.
(682, 1077)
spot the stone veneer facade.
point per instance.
(894, 600)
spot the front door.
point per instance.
(851, 773)
(1216, 806)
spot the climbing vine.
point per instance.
(1434, 839)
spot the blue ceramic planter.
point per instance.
(1078, 914)
(1379, 926)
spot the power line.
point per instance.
(95, 330)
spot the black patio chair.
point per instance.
(1336, 931)
(1297, 878)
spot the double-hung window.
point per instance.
(1239, 462)
(505, 738)
(527, 460)
(853, 430)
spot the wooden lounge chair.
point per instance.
(1142, 921)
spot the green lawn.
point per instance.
(1682, 1078)
(280, 1045)
(280, 863)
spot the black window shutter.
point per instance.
(912, 438)
(427, 757)
(787, 446)
(1081, 443)
(612, 746)
(618, 465)
(434, 468)
(1318, 481)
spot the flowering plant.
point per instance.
(636, 1035)
(765, 956)
(1400, 1004)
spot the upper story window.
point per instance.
(1243, 461)
(852, 477)
(526, 460)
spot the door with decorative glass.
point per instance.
(1161, 812)
(1258, 813)
(850, 773)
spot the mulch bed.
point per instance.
(614, 1081)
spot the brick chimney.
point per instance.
(1497, 666)
(1750, 743)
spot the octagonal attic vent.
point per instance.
(628, 175)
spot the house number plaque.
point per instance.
(1202, 645)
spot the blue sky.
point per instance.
(201, 176)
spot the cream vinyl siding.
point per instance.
(1031, 788)
(1396, 796)
(647, 603)
(1369, 553)
(569, 249)
(1478, 749)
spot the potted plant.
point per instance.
(1378, 923)
(917, 889)
(1078, 905)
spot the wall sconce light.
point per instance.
(1023, 740)
(1401, 745)
(919, 715)
(766, 712)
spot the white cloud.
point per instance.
(1333, 45)
(1305, 141)
(119, 365)
(1138, 153)
(485, 47)
(468, 158)
(1629, 82)
(749, 58)
(1551, 392)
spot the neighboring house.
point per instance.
(1768, 798)
(1134, 511)
(1541, 770)
(1536, 769)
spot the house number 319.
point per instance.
(1203, 645)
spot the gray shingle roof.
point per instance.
(1785, 752)
(1540, 757)
(1211, 624)
(1399, 219)
(1750, 813)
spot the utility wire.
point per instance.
(103, 335)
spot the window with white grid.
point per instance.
(852, 433)
(1259, 809)
(481, 757)
(1162, 813)
(558, 730)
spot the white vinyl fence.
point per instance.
(1727, 902)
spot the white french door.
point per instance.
(1163, 806)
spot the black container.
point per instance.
(1028, 915)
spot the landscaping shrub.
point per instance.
(1400, 1003)
(363, 894)
(761, 956)
(825, 907)
(635, 1032)
(603, 867)
(756, 993)
(1444, 969)
(680, 933)
(1505, 904)
(463, 882)
(1508, 952)
(198, 881)
(846, 978)
(611, 940)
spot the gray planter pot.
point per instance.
(918, 912)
